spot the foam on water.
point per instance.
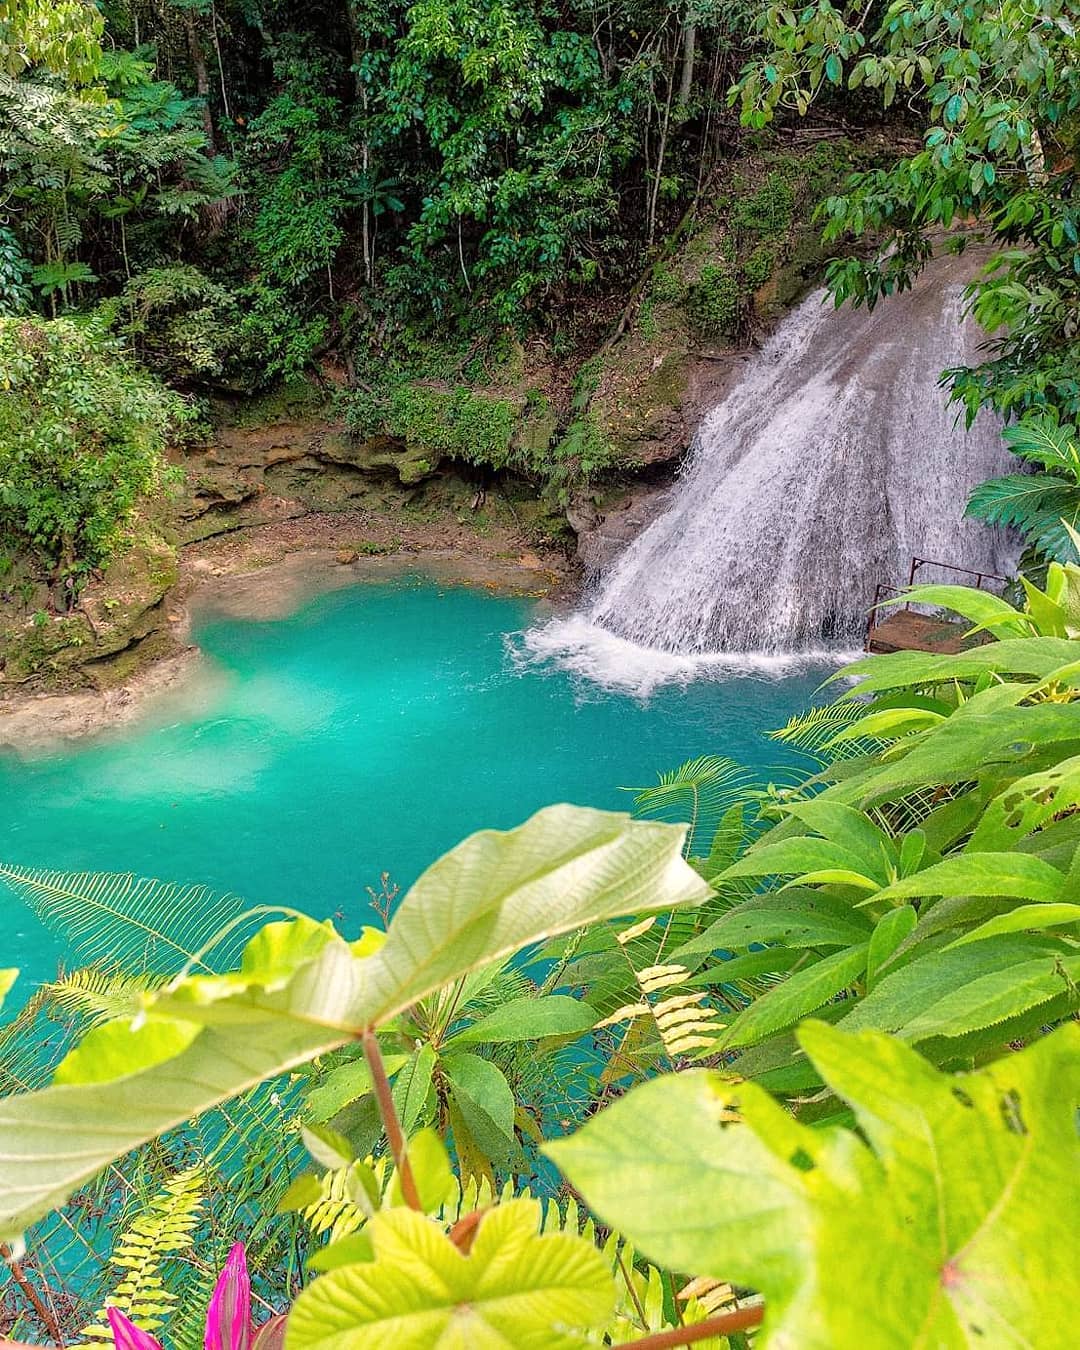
(584, 649)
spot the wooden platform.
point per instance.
(905, 630)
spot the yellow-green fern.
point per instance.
(166, 1228)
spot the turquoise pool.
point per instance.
(366, 733)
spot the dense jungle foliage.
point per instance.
(809, 1066)
(803, 1074)
(246, 190)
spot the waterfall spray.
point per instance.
(834, 459)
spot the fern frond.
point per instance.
(698, 792)
(120, 921)
(165, 1229)
(94, 995)
(1042, 442)
(813, 732)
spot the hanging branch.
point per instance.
(44, 1313)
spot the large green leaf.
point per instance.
(1035, 657)
(513, 1291)
(949, 1226)
(302, 990)
(796, 917)
(1005, 874)
(800, 994)
(528, 1019)
(963, 988)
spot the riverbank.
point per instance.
(266, 572)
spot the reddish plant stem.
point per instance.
(723, 1325)
(44, 1314)
(394, 1136)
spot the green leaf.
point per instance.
(485, 1101)
(412, 1086)
(7, 980)
(889, 932)
(327, 1146)
(899, 1233)
(797, 918)
(985, 610)
(800, 994)
(528, 1019)
(513, 1289)
(946, 993)
(1028, 918)
(805, 858)
(346, 1251)
(431, 1171)
(345, 1084)
(1009, 874)
(563, 869)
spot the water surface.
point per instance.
(367, 733)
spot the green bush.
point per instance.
(454, 422)
(758, 267)
(82, 437)
(769, 211)
(182, 324)
(714, 302)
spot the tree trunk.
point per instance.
(202, 79)
(689, 51)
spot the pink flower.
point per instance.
(228, 1318)
(127, 1336)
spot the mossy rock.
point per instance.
(115, 614)
(410, 464)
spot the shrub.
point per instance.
(714, 302)
(82, 437)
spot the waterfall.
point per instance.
(832, 462)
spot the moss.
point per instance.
(768, 211)
(714, 302)
(436, 421)
(759, 266)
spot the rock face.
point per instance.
(121, 622)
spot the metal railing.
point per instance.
(883, 590)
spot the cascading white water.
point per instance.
(832, 462)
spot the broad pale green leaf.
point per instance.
(500, 891)
(515, 1289)
(898, 1242)
(1027, 918)
(800, 994)
(564, 868)
(1007, 874)
(7, 980)
(528, 1019)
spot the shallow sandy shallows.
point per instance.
(265, 573)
